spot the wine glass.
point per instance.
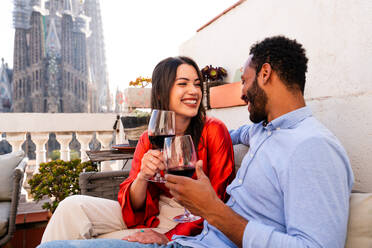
(180, 159)
(161, 125)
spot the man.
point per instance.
(293, 187)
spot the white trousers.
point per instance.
(85, 217)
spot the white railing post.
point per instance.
(16, 140)
(84, 139)
(64, 139)
(40, 139)
(105, 137)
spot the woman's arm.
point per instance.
(145, 214)
(151, 162)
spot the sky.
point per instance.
(137, 33)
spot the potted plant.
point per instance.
(138, 94)
(57, 180)
(135, 123)
(213, 76)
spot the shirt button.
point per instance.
(205, 232)
(232, 199)
(240, 181)
(269, 133)
(251, 155)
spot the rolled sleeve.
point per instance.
(257, 235)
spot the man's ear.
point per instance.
(266, 72)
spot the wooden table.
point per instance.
(108, 155)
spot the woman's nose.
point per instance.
(193, 89)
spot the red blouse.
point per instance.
(216, 151)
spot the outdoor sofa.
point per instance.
(12, 168)
(106, 185)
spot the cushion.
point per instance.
(360, 221)
(7, 164)
(4, 217)
(239, 153)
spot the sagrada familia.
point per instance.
(59, 60)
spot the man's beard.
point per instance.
(257, 99)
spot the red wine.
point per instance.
(185, 171)
(157, 141)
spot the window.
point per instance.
(45, 106)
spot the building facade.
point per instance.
(5, 87)
(54, 68)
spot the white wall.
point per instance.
(337, 35)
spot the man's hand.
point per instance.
(196, 195)
(147, 236)
(200, 199)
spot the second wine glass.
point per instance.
(180, 158)
(161, 125)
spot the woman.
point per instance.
(176, 86)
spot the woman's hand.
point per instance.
(152, 162)
(147, 236)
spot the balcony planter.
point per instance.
(227, 95)
(134, 126)
(207, 86)
(137, 97)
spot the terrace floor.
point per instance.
(30, 224)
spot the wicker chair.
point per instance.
(102, 184)
(17, 184)
(106, 184)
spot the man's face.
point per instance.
(253, 95)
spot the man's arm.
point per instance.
(199, 197)
(227, 221)
(316, 211)
(240, 135)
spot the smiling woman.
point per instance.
(176, 86)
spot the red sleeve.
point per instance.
(216, 150)
(145, 217)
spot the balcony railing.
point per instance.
(40, 125)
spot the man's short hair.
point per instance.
(286, 57)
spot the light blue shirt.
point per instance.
(293, 187)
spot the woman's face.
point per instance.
(185, 94)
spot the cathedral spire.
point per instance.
(67, 7)
(52, 42)
(38, 6)
(21, 14)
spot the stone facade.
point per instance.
(54, 70)
(5, 87)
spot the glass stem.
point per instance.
(187, 212)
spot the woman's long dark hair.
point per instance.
(163, 78)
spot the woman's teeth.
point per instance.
(189, 101)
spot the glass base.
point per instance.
(157, 179)
(184, 218)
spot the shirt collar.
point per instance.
(289, 119)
